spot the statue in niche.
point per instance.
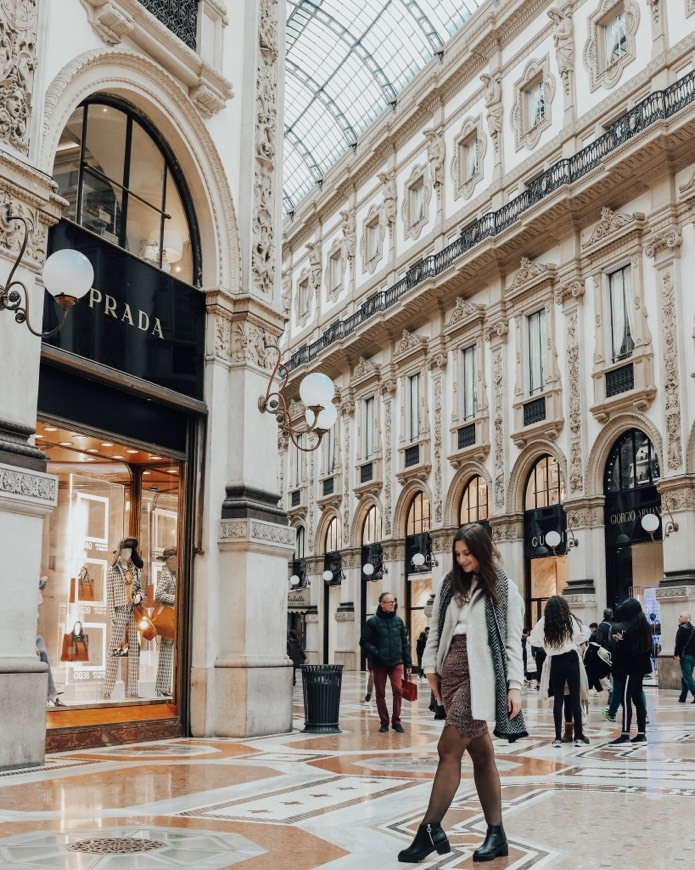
(563, 37)
(314, 263)
(349, 233)
(435, 155)
(286, 294)
(388, 179)
(493, 102)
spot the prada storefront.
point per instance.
(119, 423)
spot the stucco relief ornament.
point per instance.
(435, 154)
(286, 294)
(462, 309)
(17, 66)
(363, 368)
(314, 250)
(109, 22)
(388, 179)
(563, 37)
(609, 222)
(493, 104)
(349, 227)
(223, 338)
(667, 237)
(409, 341)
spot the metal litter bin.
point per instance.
(322, 698)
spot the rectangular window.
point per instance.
(369, 427)
(297, 470)
(417, 201)
(303, 297)
(536, 351)
(336, 271)
(536, 104)
(622, 329)
(471, 150)
(373, 240)
(468, 382)
(329, 441)
(615, 35)
(414, 407)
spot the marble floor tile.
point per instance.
(352, 801)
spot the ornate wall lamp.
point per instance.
(650, 523)
(374, 573)
(553, 540)
(316, 392)
(67, 275)
(333, 578)
(424, 563)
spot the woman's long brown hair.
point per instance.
(479, 544)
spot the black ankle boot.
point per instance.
(428, 838)
(495, 844)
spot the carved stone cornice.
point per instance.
(508, 527)
(113, 19)
(585, 513)
(677, 493)
(365, 374)
(36, 491)
(611, 226)
(531, 274)
(410, 345)
(464, 315)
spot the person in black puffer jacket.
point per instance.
(385, 642)
(631, 661)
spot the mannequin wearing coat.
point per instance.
(123, 593)
(165, 593)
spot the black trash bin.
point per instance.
(322, 698)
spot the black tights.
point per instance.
(448, 777)
(564, 668)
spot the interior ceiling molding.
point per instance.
(345, 64)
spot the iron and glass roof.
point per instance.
(346, 61)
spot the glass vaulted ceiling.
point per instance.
(346, 60)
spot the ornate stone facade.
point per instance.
(18, 23)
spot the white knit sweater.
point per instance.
(482, 674)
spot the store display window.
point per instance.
(110, 571)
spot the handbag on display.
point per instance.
(75, 645)
(164, 619)
(409, 690)
(144, 623)
(85, 585)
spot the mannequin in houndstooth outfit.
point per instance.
(123, 593)
(165, 593)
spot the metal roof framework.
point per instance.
(345, 62)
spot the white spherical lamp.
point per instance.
(552, 539)
(68, 273)
(418, 560)
(650, 523)
(294, 580)
(316, 390)
(326, 418)
(327, 576)
(368, 569)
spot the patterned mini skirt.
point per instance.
(456, 691)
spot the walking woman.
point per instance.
(473, 664)
(560, 634)
(631, 662)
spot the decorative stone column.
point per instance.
(508, 536)
(346, 647)
(586, 560)
(27, 493)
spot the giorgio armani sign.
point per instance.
(136, 319)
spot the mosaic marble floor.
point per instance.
(351, 801)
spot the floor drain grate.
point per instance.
(115, 845)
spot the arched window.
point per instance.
(331, 540)
(122, 182)
(474, 502)
(544, 486)
(418, 519)
(632, 463)
(300, 543)
(371, 530)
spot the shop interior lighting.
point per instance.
(316, 392)
(67, 275)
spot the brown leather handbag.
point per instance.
(75, 645)
(164, 619)
(143, 622)
(85, 585)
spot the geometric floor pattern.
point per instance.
(352, 801)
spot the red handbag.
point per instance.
(409, 690)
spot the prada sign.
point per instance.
(136, 319)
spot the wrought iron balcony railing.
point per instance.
(180, 16)
(657, 106)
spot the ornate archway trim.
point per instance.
(328, 515)
(172, 111)
(522, 467)
(457, 487)
(409, 490)
(363, 507)
(606, 439)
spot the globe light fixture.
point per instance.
(67, 276)
(418, 560)
(552, 539)
(295, 580)
(368, 569)
(650, 523)
(327, 576)
(316, 392)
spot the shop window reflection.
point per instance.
(97, 493)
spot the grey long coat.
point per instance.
(482, 673)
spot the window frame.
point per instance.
(534, 388)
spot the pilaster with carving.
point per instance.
(18, 23)
(388, 389)
(266, 167)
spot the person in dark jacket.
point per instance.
(296, 653)
(631, 661)
(420, 649)
(685, 651)
(385, 642)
